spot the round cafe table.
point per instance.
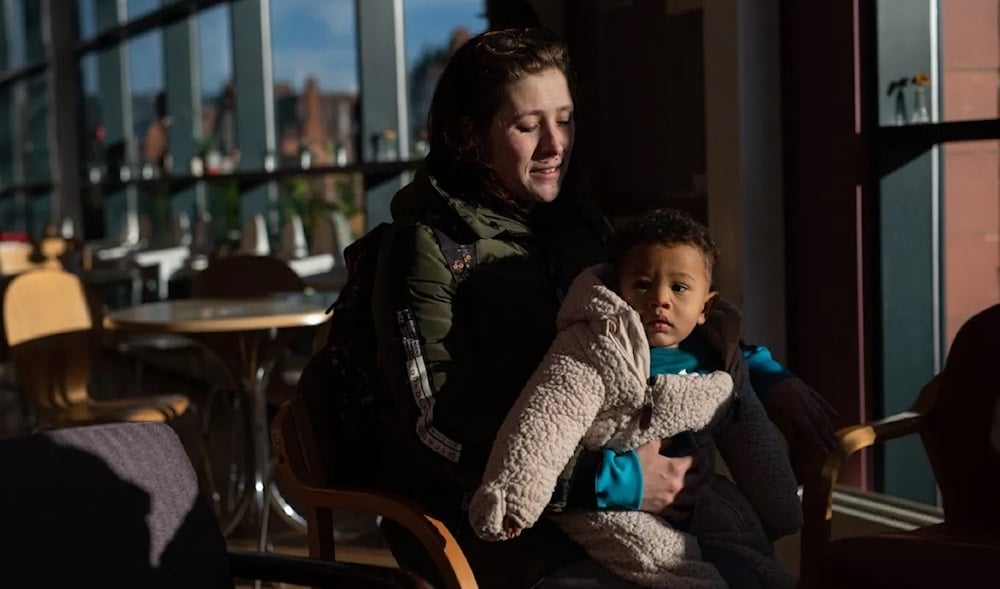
(253, 325)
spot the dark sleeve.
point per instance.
(764, 370)
(575, 487)
(419, 342)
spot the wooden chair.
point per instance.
(302, 473)
(15, 257)
(53, 337)
(953, 416)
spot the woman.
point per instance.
(456, 354)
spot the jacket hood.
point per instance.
(425, 199)
(592, 298)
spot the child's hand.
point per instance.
(510, 528)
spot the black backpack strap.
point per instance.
(460, 257)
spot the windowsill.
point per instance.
(859, 513)
(886, 510)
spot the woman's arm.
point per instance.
(429, 359)
(793, 405)
(801, 414)
(756, 457)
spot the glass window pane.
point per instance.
(34, 47)
(938, 60)
(93, 130)
(35, 149)
(39, 214)
(145, 56)
(139, 8)
(12, 215)
(96, 16)
(970, 231)
(970, 59)
(940, 265)
(305, 196)
(315, 65)
(909, 351)
(218, 138)
(433, 31)
(6, 131)
(149, 128)
(15, 28)
(87, 17)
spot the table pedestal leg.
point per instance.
(262, 447)
(250, 365)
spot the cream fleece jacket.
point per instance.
(591, 388)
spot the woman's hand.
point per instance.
(804, 418)
(669, 484)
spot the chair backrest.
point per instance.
(111, 506)
(254, 240)
(51, 249)
(15, 257)
(331, 235)
(293, 238)
(202, 238)
(49, 327)
(131, 230)
(245, 276)
(182, 233)
(957, 435)
(302, 468)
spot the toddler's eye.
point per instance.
(679, 287)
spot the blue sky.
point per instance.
(308, 37)
(317, 36)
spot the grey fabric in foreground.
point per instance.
(106, 506)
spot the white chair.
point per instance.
(293, 239)
(255, 240)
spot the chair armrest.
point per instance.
(817, 495)
(850, 441)
(433, 535)
(300, 467)
(310, 572)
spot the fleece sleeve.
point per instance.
(537, 440)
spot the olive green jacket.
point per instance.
(455, 356)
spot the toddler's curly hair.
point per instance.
(667, 227)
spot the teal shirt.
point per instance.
(618, 484)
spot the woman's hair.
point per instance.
(667, 227)
(472, 89)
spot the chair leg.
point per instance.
(265, 516)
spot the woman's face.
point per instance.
(531, 137)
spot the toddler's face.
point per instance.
(669, 287)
